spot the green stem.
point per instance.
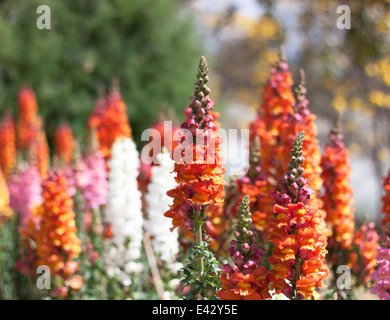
(30, 288)
(198, 241)
(297, 276)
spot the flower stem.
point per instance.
(296, 278)
(153, 266)
(198, 241)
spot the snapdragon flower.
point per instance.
(25, 191)
(123, 212)
(94, 191)
(381, 276)
(165, 243)
(7, 145)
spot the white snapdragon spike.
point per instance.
(124, 212)
(164, 242)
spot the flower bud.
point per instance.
(245, 247)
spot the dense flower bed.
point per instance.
(110, 225)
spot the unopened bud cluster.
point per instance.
(201, 102)
(243, 251)
(292, 187)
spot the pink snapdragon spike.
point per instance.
(25, 191)
(89, 175)
(381, 276)
(95, 190)
(77, 176)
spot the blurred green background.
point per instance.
(148, 45)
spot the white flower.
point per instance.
(279, 296)
(124, 210)
(164, 242)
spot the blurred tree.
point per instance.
(244, 61)
(147, 45)
(244, 71)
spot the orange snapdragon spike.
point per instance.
(216, 222)
(338, 196)
(299, 245)
(198, 164)
(52, 227)
(199, 186)
(278, 100)
(41, 154)
(27, 105)
(291, 125)
(282, 116)
(110, 120)
(7, 145)
(31, 138)
(29, 122)
(5, 209)
(64, 143)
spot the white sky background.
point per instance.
(367, 192)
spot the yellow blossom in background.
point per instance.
(264, 29)
(370, 69)
(379, 69)
(354, 149)
(339, 103)
(356, 104)
(350, 125)
(384, 154)
(5, 210)
(376, 97)
(266, 59)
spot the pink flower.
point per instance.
(381, 276)
(89, 175)
(70, 180)
(95, 190)
(25, 191)
(60, 292)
